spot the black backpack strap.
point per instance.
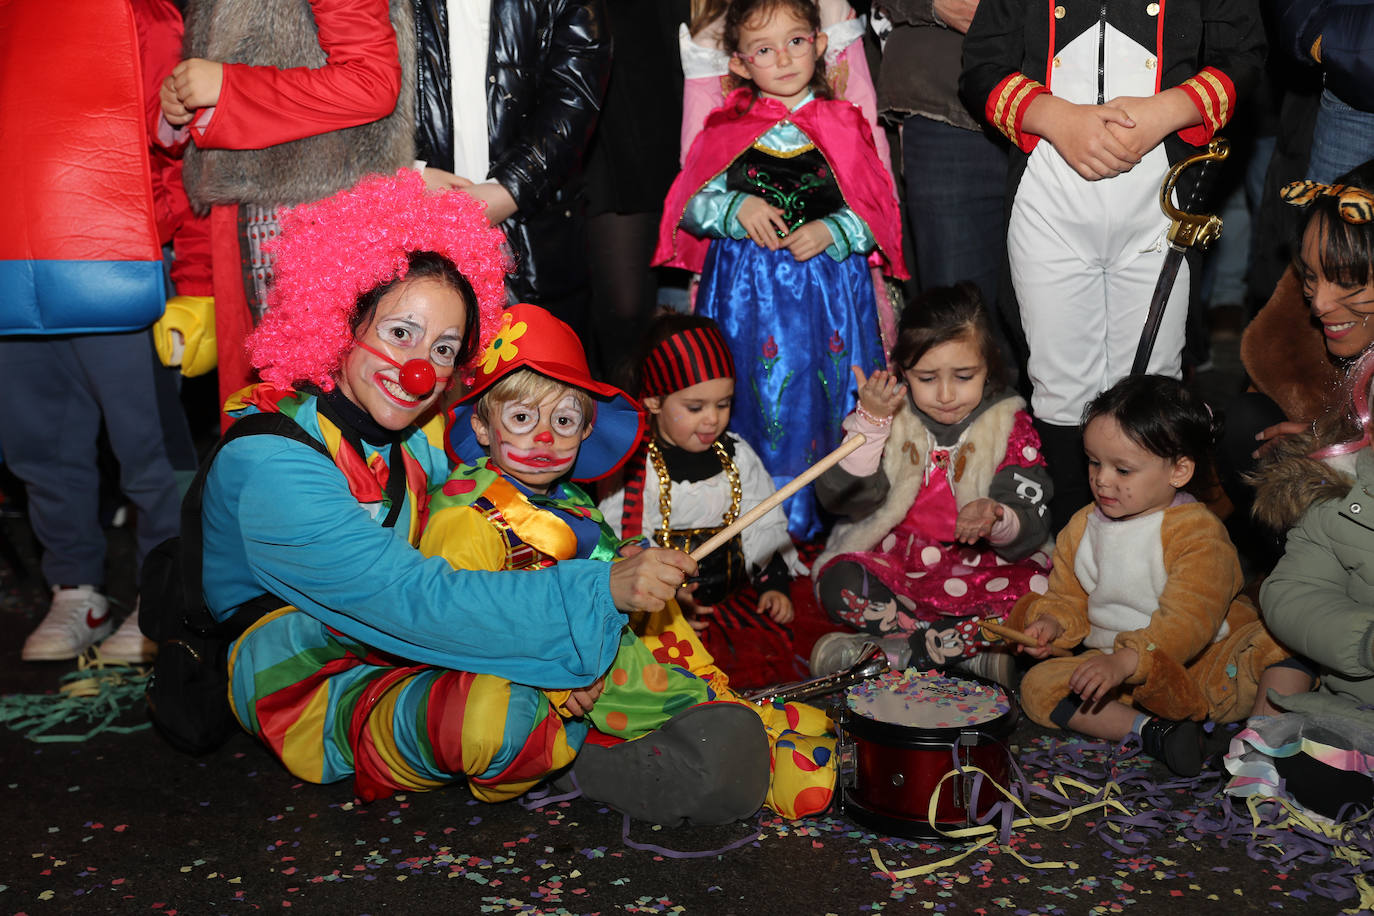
(192, 537)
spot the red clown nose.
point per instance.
(417, 377)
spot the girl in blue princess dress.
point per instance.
(781, 205)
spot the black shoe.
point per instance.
(707, 765)
(1178, 745)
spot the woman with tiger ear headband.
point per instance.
(1298, 349)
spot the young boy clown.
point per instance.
(533, 422)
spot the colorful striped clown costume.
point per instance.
(482, 519)
(1085, 255)
(386, 665)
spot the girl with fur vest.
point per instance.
(946, 501)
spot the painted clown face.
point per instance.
(417, 319)
(534, 443)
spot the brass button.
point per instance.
(1150, 64)
(1059, 12)
(1152, 9)
(1056, 61)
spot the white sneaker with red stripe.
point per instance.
(128, 644)
(78, 617)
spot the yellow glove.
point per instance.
(185, 335)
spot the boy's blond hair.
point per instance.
(525, 386)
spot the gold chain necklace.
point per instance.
(665, 487)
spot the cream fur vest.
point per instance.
(282, 33)
(981, 449)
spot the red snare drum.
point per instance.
(908, 729)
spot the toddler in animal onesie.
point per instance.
(544, 422)
(1145, 589)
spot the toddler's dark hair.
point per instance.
(631, 374)
(741, 12)
(1346, 255)
(1161, 416)
(947, 313)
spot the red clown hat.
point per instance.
(531, 338)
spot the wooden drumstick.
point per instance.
(792, 486)
(1016, 636)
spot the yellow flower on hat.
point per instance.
(502, 346)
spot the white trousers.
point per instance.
(1085, 257)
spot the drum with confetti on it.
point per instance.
(910, 729)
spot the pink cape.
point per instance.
(841, 134)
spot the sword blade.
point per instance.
(1163, 286)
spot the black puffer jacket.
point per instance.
(1346, 30)
(546, 73)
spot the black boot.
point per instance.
(707, 765)
(1178, 745)
(1062, 447)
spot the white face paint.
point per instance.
(535, 443)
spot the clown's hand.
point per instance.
(650, 578)
(185, 335)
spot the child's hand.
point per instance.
(581, 700)
(809, 240)
(763, 222)
(1155, 117)
(880, 394)
(198, 82)
(1101, 674)
(1044, 631)
(976, 519)
(777, 606)
(176, 113)
(647, 580)
(1080, 133)
(698, 616)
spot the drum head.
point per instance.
(925, 708)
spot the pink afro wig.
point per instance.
(332, 251)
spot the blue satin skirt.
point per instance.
(794, 330)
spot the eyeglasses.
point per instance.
(766, 58)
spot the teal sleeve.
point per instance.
(278, 517)
(851, 234)
(711, 212)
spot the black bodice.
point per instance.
(801, 185)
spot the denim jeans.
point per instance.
(1343, 139)
(956, 188)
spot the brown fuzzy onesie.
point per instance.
(1185, 670)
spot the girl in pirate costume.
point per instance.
(1119, 90)
(542, 422)
(781, 205)
(381, 664)
(694, 477)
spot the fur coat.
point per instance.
(1285, 355)
(283, 33)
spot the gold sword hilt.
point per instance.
(1188, 229)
